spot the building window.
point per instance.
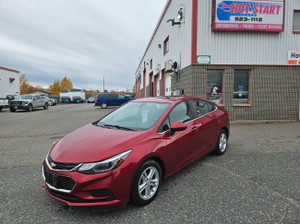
(296, 27)
(241, 90)
(151, 64)
(214, 86)
(166, 45)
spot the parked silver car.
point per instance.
(28, 102)
(49, 101)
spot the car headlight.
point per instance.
(105, 165)
(25, 103)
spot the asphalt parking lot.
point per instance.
(256, 181)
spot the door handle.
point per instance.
(213, 116)
(195, 128)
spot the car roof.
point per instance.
(167, 99)
(110, 93)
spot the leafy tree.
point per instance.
(55, 88)
(66, 83)
(25, 87)
(93, 93)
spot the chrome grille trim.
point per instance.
(54, 188)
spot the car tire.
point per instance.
(104, 105)
(30, 107)
(146, 183)
(46, 106)
(12, 109)
(222, 143)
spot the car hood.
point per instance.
(92, 143)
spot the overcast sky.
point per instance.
(81, 39)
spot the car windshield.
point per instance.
(134, 116)
(24, 97)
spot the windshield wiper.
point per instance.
(117, 126)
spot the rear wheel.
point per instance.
(146, 183)
(104, 105)
(12, 109)
(222, 143)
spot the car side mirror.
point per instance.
(177, 126)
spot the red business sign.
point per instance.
(240, 15)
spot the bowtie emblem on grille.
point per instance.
(52, 164)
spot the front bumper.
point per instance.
(103, 190)
(23, 107)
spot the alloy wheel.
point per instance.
(148, 183)
(222, 142)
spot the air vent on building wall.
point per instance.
(168, 66)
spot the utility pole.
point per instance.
(103, 83)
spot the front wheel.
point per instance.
(30, 107)
(46, 106)
(222, 143)
(146, 183)
(12, 109)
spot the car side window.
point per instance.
(165, 125)
(202, 107)
(181, 112)
(35, 98)
(121, 96)
(38, 97)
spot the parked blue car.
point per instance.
(111, 99)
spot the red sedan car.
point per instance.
(125, 155)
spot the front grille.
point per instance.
(16, 103)
(59, 182)
(61, 166)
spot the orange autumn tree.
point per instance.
(58, 86)
(66, 83)
(55, 88)
(25, 87)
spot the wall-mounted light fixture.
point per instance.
(179, 17)
(180, 14)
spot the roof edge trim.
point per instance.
(154, 32)
(8, 69)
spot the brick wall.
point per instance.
(274, 90)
